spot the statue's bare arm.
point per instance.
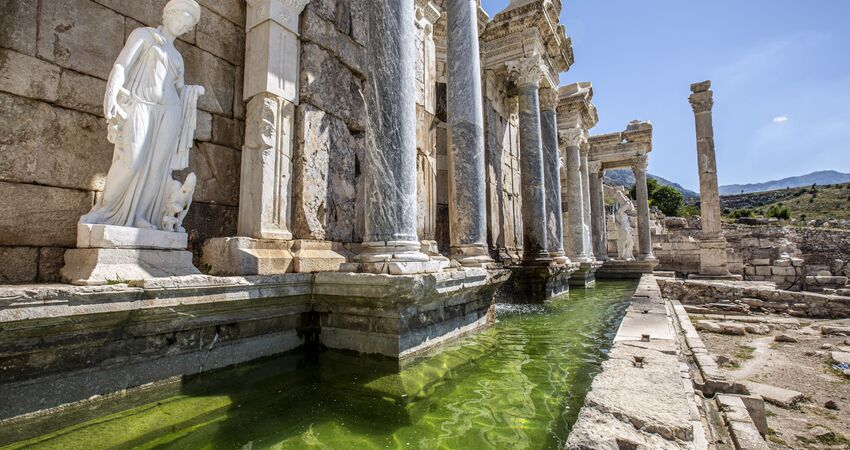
(128, 54)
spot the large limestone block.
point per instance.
(27, 76)
(111, 236)
(232, 10)
(99, 266)
(220, 37)
(216, 75)
(80, 35)
(81, 92)
(217, 169)
(33, 215)
(50, 262)
(324, 33)
(318, 256)
(148, 13)
(331, 86)
(232, 256)
(228, 132)
(323, 177)
(19, 25)
(206, 221)
(18, 264)
(52, 146)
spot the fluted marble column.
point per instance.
(597, 212)
(526, 73)
(552, 170)
(467, 206)
(571, 139)
(390, 157)
(644, 240)
(585, 199)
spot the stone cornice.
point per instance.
(427, 10)
(622, 149)
(574, 104)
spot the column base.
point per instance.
(239, 256)
(585, 276)
(394, 258)
(619, 269)
(100, 266)
(471, 255)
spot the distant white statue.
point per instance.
(625, 241)
(151, 116)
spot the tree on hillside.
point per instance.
(666, 198)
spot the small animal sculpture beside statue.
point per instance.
(151, 116)
(625, 241)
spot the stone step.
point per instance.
(784, 398)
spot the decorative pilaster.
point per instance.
(390, 243)
(467, 208)
(713, 261)
(272, 54)
(552, 178)
(526, 73)
(644, 240)
(599, 233)
(571, 140)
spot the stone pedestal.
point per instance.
(530, 284)
(713, 261)
(585, 275)
(618, 269)
(109, 254)
(247, 256)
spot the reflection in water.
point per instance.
(517, 385)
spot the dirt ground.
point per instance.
(804, 366)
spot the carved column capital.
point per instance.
(639, 163)
(548, 99)
(571, 137)
(284, 12)
(702, 101)
(526, 71)
(594, 166)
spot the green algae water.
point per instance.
(517, 385)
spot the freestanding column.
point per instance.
(597, 212)
(585, 200)
(390, 157)
(467, 195)
(712, 245)
(552, 170)
(526, 74)
(571, 140)
(644, 240)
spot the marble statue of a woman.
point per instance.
(625, 241)
(151, 117)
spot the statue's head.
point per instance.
(179, 16)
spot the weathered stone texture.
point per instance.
(18, 264)
(53, 146)
(218, 170)
(324, 177)
(331, 86)
(206, 221)
(228, 132)
(215, 74)
(18, 25)
(81, 92)
(147, 13)
(80, 35)
(27, 76)
(220, 37)
(317, 30)
(51, 213)
(50, 262)
(232, 10)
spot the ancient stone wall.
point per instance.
(55, 57)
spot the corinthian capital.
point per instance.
(572, 137)
(594, 166)
(548, 99)
(639, 163)
(702, 101)
(284, 12)
(526, 71)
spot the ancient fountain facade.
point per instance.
(366, 177)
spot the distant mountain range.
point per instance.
(625, 177)
(822, 177)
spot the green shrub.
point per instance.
(742, 212)
(779, 212)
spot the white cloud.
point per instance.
(780, 119)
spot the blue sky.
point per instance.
(780, 72)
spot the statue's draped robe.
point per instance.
(153, 139)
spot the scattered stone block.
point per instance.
(784, 398)
(757, 328)
(785, 338)
(827, 330)
(840, 357)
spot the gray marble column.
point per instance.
(571, 141)
(585, 199)
(644, 240)
(526, 74)
(597, 211)
(552, 171)
(390, 157)
(467, 207)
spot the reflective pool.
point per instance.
(517, 385)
